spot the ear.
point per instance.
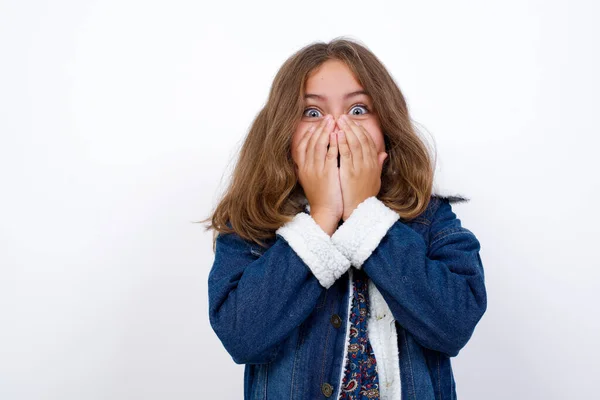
(382, 156)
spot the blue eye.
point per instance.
(316, 113)
(310, 108)
(362, 106)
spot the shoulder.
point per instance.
(231, 240)
(439, 206)
(444, 220)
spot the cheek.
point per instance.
(302, 127)
(375, 132)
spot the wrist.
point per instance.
(327, 222)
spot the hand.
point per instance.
(360, 165)
(318, 174)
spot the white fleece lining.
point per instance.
(361, 233)
(356, 239)
(347, 335)
(381, 330)
(314, 246)
(382, 334)
(444, 192)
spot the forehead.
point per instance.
(332, 78)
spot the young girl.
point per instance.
(339, 271)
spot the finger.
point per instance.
(343, 148)
(310, 154)
(321, 145)
(368, 137)
(332, 153)
(369, 147)
(302, 144)
(353, 142)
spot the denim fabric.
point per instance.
(272, 314)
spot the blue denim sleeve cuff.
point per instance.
(315, 248)
(361, 233)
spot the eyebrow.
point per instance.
(346, 96)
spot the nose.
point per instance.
(336, 126)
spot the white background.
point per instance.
(119, 121)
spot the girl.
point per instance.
(339, 271)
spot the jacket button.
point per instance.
(336, 320)
(327, 389)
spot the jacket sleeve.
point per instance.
(436, 291)
(256, 302)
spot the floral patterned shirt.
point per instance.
(360, 380)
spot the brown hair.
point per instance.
(264, 192)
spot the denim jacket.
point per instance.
(283, 310)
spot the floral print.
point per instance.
(360, 380)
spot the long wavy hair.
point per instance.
(264, 192)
